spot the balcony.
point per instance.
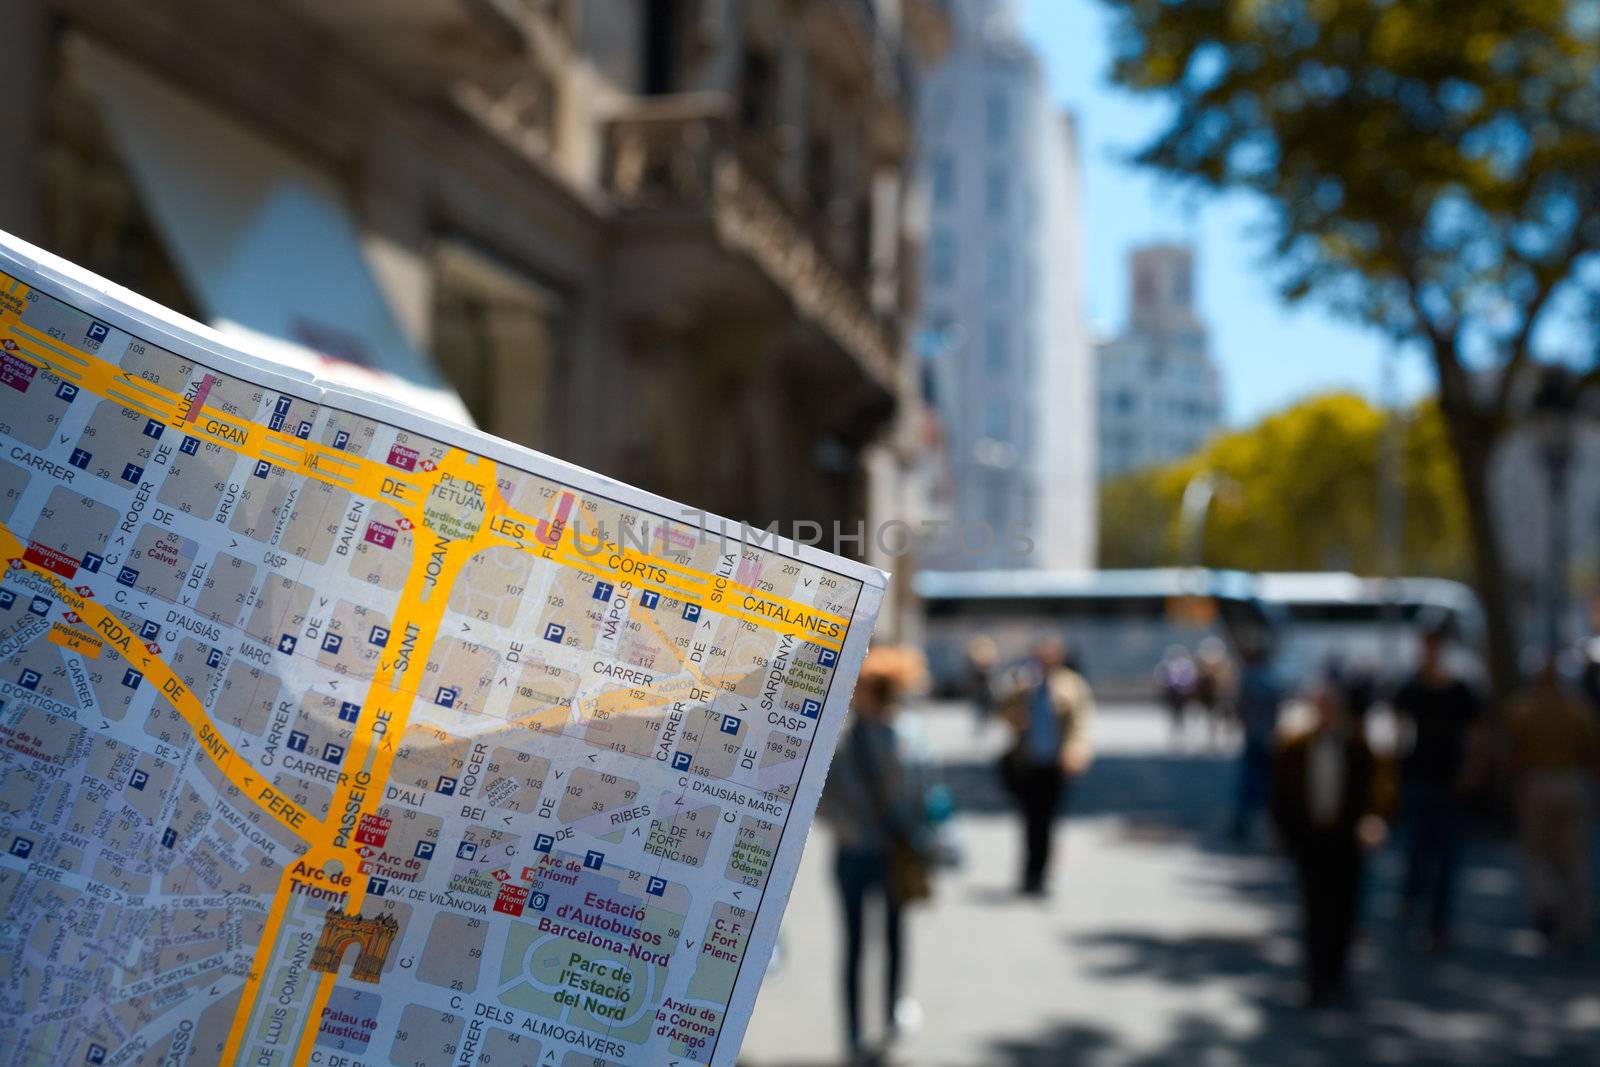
(677, 158)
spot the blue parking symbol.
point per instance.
(98, 331)
(153, 429)
(377, 886)
(691, 612)
(149, 630)
(80, 458)
(214, 658)
(349, 712)
(297, 740)
(132, 472)
(466, 850)
(169, 837)
(341, 439)
(446, 697)
(138, 780)
(543, 843)
(21, 847)
(127, 576)
(92, 562)
(263, 468)
(332, 753)
(730, 724)
(656, 886)
(7, 598)
(594, 860)
(303, 431)
(445, 785)
(424, 850)
(602, 590)
(190, 446)
(650, 598)
(96, 1054)
(541, 901)
(681, 760)
(332, 642)
(29, 679)
(66, 391)
(810, 708)
(827, 657)
(40, 605)
(131, 678)
(555, 632)
(379, 636)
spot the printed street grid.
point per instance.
(320, 736)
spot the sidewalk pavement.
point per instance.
(1163, 946)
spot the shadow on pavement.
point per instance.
(1489, 1002)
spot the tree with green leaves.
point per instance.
(1432, 168)
(1298, 491)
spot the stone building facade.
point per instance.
(670, 240)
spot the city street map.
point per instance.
(331, 733)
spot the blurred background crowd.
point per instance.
(1217, 379)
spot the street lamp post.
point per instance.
(1551, 418)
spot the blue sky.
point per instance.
(1271, 355)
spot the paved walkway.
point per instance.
(1162, 946)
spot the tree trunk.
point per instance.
(1473, 437)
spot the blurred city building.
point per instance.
(1003, 334)
(1160, 392)
(667, 239)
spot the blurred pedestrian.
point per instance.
(1175, 678)
(1257, 705)
(1440, 712)
(875, 802)
(982, 657)
(1555, 753)
(1050, 714)
(1213, 686)
(1328, 809)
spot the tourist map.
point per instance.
(334, 734)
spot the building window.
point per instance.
(942, 258)
(996, 194)
(997, 273)
(942, 177)
(996, 346)
(997, 118)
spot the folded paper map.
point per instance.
(334, 733)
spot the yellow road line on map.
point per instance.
(238, 771)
